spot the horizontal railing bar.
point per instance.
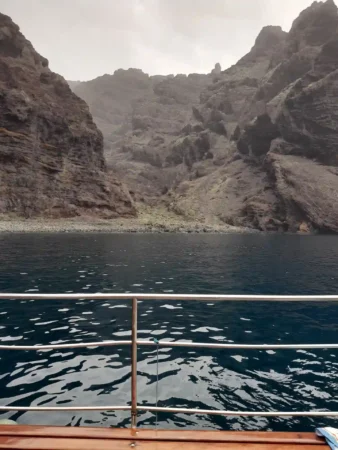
(179, 297)
(173, 410)
(238, 413)
(65, 346)
(238, 346)
(170, 344)
(65, 408)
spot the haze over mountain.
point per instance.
(84, 39)
(254, 145)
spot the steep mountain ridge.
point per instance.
(139, 116)
(51, 152)
(274, 177)
(254, 145)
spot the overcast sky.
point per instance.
(86, 38)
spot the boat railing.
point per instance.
(134, 343)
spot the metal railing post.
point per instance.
(134, 364)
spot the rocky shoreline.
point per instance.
(148, 220)
(111, 226)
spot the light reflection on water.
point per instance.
(286, 380)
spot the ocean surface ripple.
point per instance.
(254, 380)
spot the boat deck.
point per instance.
(26, 437)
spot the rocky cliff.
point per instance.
(254, 145)
(51, 152)
(140, 116)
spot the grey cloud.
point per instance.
(85, 38)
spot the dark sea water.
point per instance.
(207, 378)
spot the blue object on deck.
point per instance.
(331, 436)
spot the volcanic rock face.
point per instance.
(140, 116)
(254, 145)
(51, 152)
(298, 97)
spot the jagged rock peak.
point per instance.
(131, 72)
(217, 69)
(269, 36)
(268, 40)
(14, 45)
(314, 26)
